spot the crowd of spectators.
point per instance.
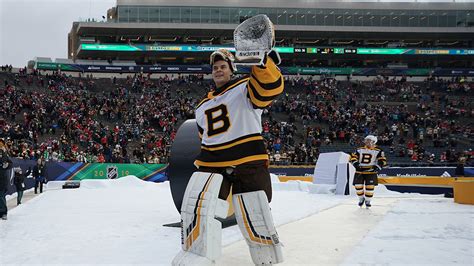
(64, 119)
(334, 112)
(134, 119)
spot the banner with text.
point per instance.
(65, 171)
(391, 171)
(206, 69)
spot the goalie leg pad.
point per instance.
(253, 215)
(201, 233)
(185, 258)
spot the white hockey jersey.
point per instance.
(367, 158)
(229, 119)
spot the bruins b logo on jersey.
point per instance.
(366, 158)
(217, 120)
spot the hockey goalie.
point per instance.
(233, 154)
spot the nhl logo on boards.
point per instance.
(112, 172)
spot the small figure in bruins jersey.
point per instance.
(368, 161)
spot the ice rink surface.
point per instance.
(121, 222)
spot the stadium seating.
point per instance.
(134, 119)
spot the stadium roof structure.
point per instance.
(300, 22)
(301, 17)
(273, 3)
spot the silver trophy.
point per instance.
(253, 39)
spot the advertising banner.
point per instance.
(62, 171)
(65, 171)
(164, 48)
(280, 49)
(391, 171)
(206, 69)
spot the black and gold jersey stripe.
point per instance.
(241, 150)
(200, 131)
(229, 144)
(382, 161)
(265, 84)
(354, 157)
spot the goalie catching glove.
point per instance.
(254, 39)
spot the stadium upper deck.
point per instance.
(145, 28)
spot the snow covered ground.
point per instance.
(121, 222)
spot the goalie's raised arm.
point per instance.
(254, 40)
(266, 82)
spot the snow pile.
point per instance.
(297, 185)
(129, 181)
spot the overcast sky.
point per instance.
(30, 28)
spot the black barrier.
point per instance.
(431, 190)
(186, 147)
(72, 184)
